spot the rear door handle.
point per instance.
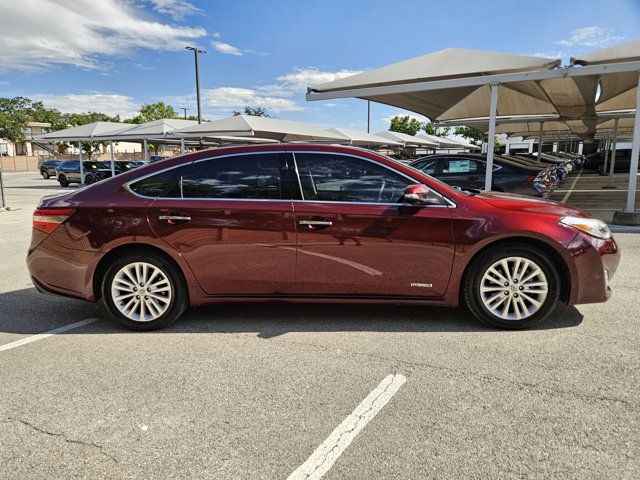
(316, 223)
(175, 218)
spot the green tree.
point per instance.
(14, 115)
(431, 129)
(405, 124)
(476, 136)
(255, 111)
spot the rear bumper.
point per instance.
(59, 270)
(595, 264)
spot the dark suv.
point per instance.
(69, 172)
(48, 168)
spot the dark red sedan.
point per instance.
(312, 223)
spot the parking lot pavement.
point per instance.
(583, 188)
(252, 390)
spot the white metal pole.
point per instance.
(2, 197)
(113, 164)
(558, 144)
(493, 109)
(607, 146)
(146, 151)
(613, 154)
(633, 168)
(540, 141)
(181, 145)
(81, 163)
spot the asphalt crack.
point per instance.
(66, 439)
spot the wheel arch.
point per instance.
(549, 250)
(103, 265)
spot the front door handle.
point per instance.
(175, 218)
(316, 223)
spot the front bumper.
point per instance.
(595, 264)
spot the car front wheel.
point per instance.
(63, 181)
(144, 291)
(512, 286)
(45, 174)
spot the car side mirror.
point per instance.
(419, 194)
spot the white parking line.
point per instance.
(42, 336)
(323, 458)
(568, 194)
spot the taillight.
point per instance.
(48, 220)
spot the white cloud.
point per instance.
(37, 34)
(108, 103)
(404, 113)
(226, 49)
(237, 97)
(176, 9)
(549, 54)
(300, 78)
(591, 37)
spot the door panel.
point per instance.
(233, 248)
(232, 220)
(374, 250)
(355, 237)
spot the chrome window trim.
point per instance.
(127, 185)
(449, 203)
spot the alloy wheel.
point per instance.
(513, 288)
(141, 291)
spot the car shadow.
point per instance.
(29, 312)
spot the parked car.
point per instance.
(304, 222)
(156, 158)
(121, 166)
(468, 171)
(69, 172)
(48, 168)
(595, 161)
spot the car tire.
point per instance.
(526, 301)
(89, 179)
(45, 174)
(63, 181)
(150, 310)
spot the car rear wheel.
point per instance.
(45, 174)
(63, 181)
(144, 291)
(89, 179)
(512, 286)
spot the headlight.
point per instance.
(592, 226)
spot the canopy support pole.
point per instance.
(629, 216)
(540, 142)
(607, 147)
(146, 150)
(558, 145)
(3, 199)
(181, 145)
(493, 109)
(113, 163)
(81, 163)
(613, 154)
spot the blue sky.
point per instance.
(112, 55)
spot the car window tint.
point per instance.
(240, 176)
(428, 167)
(162, 184)
(334, 177)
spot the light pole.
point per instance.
(368, 116)
(184, 109)
(196, 51)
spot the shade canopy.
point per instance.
(618, 90)
(82, 132)
(363, 139)
(407, 140)
(150, 130)
(449, 103)
(265, 127)
(444, 142)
